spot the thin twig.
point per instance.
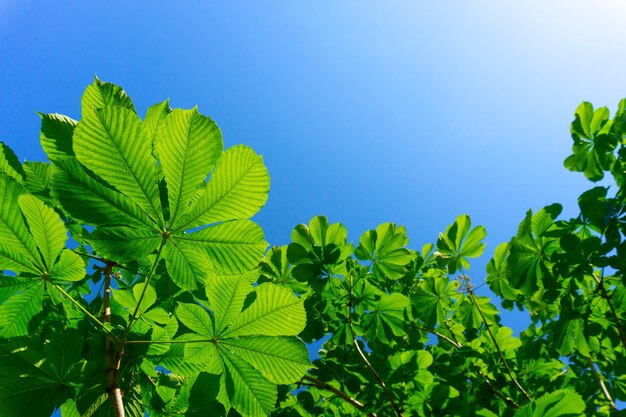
(364, 358)
(498, 393)
(83, 309)
(445, 323)
(605, 295)
(99, 259)
(456, 344)
(600, 382)
(113, 350)
(314, 382)
(506, 364)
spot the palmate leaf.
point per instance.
(386, 317)
(42, 385)
(530, 250)
(385, 247)
(32, 237)
(434, 298)
(593, 142)
(244, 344)
(276, 268)
(17, 311)
(460, 242)
(142, 185)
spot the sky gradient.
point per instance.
(367, 112)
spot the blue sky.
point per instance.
(409, 112)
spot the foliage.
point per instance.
(183, 315)
(186, 330)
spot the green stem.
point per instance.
(456, 344)
(605, 295)
(506, 364)
(133, 317)
(364, 358)
(314, 382)
(598, 378)
(83, 309)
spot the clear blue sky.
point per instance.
(411, 112)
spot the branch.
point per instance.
(454, 343)
(506, 364)
(99, 259)
(113, 353)
(314, 382)
(605, 295)
(365, 360)
(498, 393)
(600, 382)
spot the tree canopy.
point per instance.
(135, 282)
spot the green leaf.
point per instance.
(130, 298)
(16, 312)
(155, 115)
(249, 393)
(530, 250)
(237, 189)
(188, 267)
(18, 251)
(276, 312)
(29, 383)
(276, 268)
(195, 318)
(56, 135)
(9, 164)
(387, 312)
(497, 278)
(113, 143)
(88, 199)
(226, 295)
(124, 243)
(570, 337)
(320, 244)
(385, 247)
(282, 360)
(38, 176)
(594, 142)
(102, 94)
(433, 299)
(69, 267)
(563, 402)
(46, 227)
(459, 243)
(188, 145)
(234, 247)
